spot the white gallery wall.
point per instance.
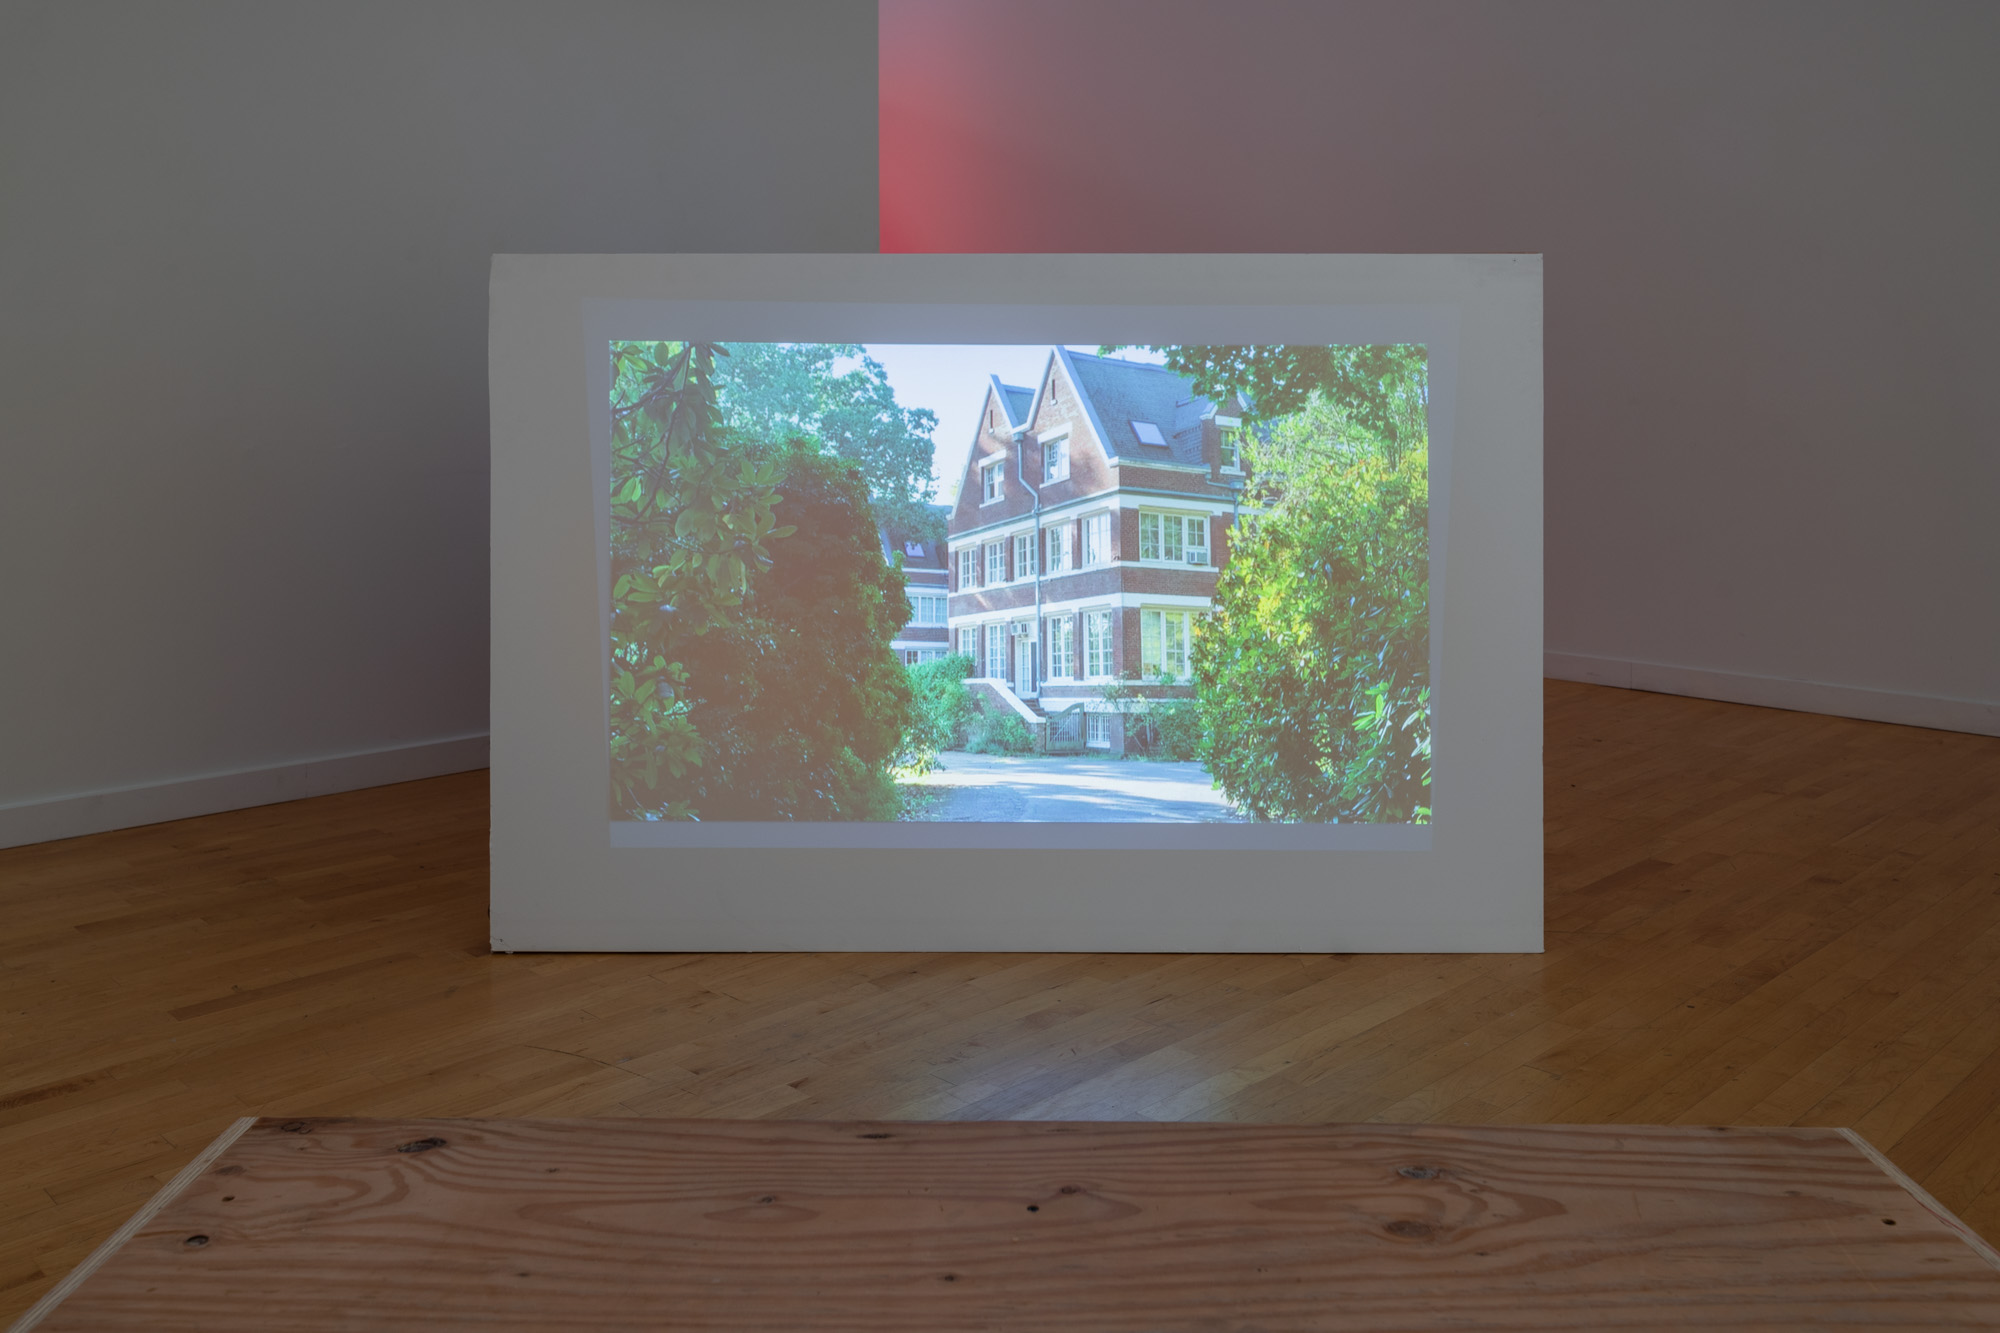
(1772, 240)
(244, 252)
(244, 248)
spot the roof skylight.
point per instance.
(1148, 433)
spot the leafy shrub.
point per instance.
(1177, 730)
(941, 711)
(999, 733)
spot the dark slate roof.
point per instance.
(1015, 399)
(929, 555)
(1121, 392)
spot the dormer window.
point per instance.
(1148, 433)
(914, 549)
(1230, 449)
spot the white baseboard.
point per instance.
(1802, 696)
(46, 819)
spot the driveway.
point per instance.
(1026, 788)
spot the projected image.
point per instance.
(1019, 583)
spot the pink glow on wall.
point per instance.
(1769, 260)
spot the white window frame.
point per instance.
(1024, 555)
(1055, 451)
(1087, 557)
(996, 563)
(1062, 548)
(922, 599)
(968, 567)
(1154, 622)
(1061, 633)
(1109, 657)
(1097, 730)
(999, 644)
(969, 649)
(1155, 528)
(993, 481)
(1228, 429)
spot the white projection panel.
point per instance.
(577, 866)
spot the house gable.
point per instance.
(1000, 414)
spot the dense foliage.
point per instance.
(1380, 389)
(691, 521)
(751, 674)
(941, 710)
(995, 730)
(1312, 675)
(837, 394)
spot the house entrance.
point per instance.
(1024, 666)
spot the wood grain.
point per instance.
(706, 1226)
(1754, 918)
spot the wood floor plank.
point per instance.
(881, 1226)
(1753, 917)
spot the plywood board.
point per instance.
(710, 1225)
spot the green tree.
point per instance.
(691, 518)
(941, 710)
(1312, 674)
(1381, 389)
(839, 395)
(800, 702)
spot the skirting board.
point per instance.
(1802, 696)
(183, 798)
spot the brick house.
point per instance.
(924, 639)
(1091, 522)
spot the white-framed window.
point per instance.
(1173, 538)
(996, 562)
(1055, 460)
(1230, 449)
(968, 567)
(1062, 646)
(1097, 729)
(996, 650)
(1062, 548)
(1096, 540)
(1024, 555)
(926, 608)
(968, 641)
(918, 656)
(1164, 637)
(1097, 643)
(992, 477)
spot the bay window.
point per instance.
(1164, 637)
(1173, 538)
(1096, 540)
(1097, 643)
(1024, 556)
(1062, 549)
(1062, 646)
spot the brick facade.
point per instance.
(1191, 484)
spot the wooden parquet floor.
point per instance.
(1754, 917)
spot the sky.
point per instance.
(951, 381)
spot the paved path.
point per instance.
(1026, 788)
